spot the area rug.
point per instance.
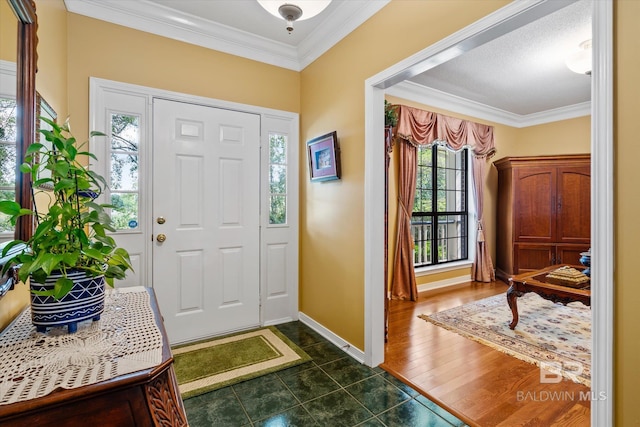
(557, 335)
(208, 365)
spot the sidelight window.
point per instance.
(124, 178)
(277, 178)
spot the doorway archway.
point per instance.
(492, 26)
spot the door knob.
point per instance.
(160, 220)
(161, 238)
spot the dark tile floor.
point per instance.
(332, 390)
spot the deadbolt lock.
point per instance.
(160, 220)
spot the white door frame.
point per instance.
(504, 20)
(278, 303)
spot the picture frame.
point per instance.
(324, 157)
(43, 109)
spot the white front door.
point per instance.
(206, 204)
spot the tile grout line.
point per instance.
(242, 405)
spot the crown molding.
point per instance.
(163, 21)
(348, 16)
(435, 98)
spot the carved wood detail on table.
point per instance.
(164, 401)
(534, 282)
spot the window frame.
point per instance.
(468, 211)
(285, 166)
(8, 84)
(109, 164)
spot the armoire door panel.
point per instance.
(533, 257)
(570, 254)
(535, 205)
(574, 204)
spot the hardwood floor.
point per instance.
(481, 386)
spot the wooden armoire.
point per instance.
(543, 212)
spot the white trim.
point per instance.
(8, 68)
(513, 15)
(194, 99)
(450, 266)
(339, 342)
(444, 283)
(278, 321)
(157, 19)
(267, 117)
(602, 211)
(425, 95)
(374, 287)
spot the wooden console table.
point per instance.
(535, 282)
(146, 397)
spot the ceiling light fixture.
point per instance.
(580, 61)
(297, 10)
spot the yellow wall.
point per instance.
(8, 30)
(627, 205)
(331, 223)
(329, 94)
(51, 79)
(108, 51)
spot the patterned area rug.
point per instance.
(558, 335)
(212, 364)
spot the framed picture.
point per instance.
(43, 109)
(324, 157)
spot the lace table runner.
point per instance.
(126, 339)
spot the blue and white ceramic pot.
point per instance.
(84, 301)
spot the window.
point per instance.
(7, 160)
(125, 143)
(439, 223)
(277, 179)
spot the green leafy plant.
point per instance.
(71, 235)
(390, 114)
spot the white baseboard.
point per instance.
(444, 283)
(273, 322)
(345, 346)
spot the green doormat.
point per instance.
(208, 365)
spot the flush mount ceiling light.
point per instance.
(295, 10)
(580, 61)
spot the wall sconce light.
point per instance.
(290, 12)
(580, 61)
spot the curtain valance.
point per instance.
(419, 127)
(424, 127)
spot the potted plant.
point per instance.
(70, 256)
(390, 115)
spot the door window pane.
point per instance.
(124, 214)
(124, 177)
(277, 179)
(124, 172)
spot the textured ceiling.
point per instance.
(524, 71)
